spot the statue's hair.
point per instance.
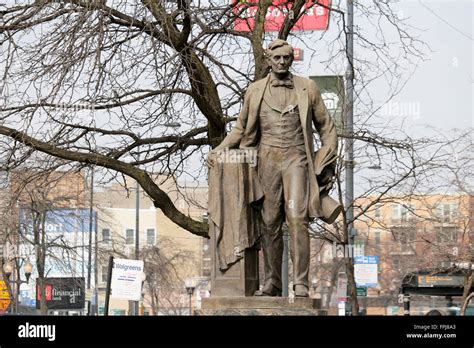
(276, 44)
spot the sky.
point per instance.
(440, 91)
(443, 85)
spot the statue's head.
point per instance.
(279, 56)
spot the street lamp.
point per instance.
(9, 270)
(190, 284)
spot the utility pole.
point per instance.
(349, 130)
(137, 235)
(89, 263)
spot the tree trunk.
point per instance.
(466, 297)
(351, 285)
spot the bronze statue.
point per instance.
(276, 121)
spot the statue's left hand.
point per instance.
(326, 178)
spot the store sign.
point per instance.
(440, 280)
(62, 293)
(297, 54)
(127, 278)
(315, 17)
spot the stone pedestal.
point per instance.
(257, 305)
(240, 279)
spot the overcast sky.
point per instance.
(443, 85)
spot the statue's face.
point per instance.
(280, 60)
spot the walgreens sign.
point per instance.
(315, 17)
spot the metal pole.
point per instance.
(349, 127)
(137, 235)
(109, 281)
(190, 303)
(89, 263)
(284, 272)
(96, 276)
(406, 304)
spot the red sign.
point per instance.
(316, 17)
(298, 54)
(49, 293)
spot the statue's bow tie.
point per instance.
(282, 83)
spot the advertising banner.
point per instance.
(316, 16)
(63, 293)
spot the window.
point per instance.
(106, 235)
(377, 213)
(105, 269)
(447, 212)
(377, 238)
(396, 264)
(150, 236)
(446, 234)
(405, 237)
(402, 212)
(129, 236)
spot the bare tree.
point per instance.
(164, 283)
(36, 198)
(103, 82)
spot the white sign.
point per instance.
(127, 277)
(366, 270)
(342, 287)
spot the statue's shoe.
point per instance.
(301, 290)
(269, 291)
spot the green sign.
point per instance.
(333, 94)
(361, 291)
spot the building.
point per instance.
(45, 211)
(171, 254)
(422, 232)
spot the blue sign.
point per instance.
(60, 220)
(366, 270)
(366, 260)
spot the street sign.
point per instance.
(316, 16)
(361, 291)
(4, 296)
(440, 280)
(4, 304)
(4, 290)
(127, 278)
(366, 270)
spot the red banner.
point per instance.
(316, 16)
